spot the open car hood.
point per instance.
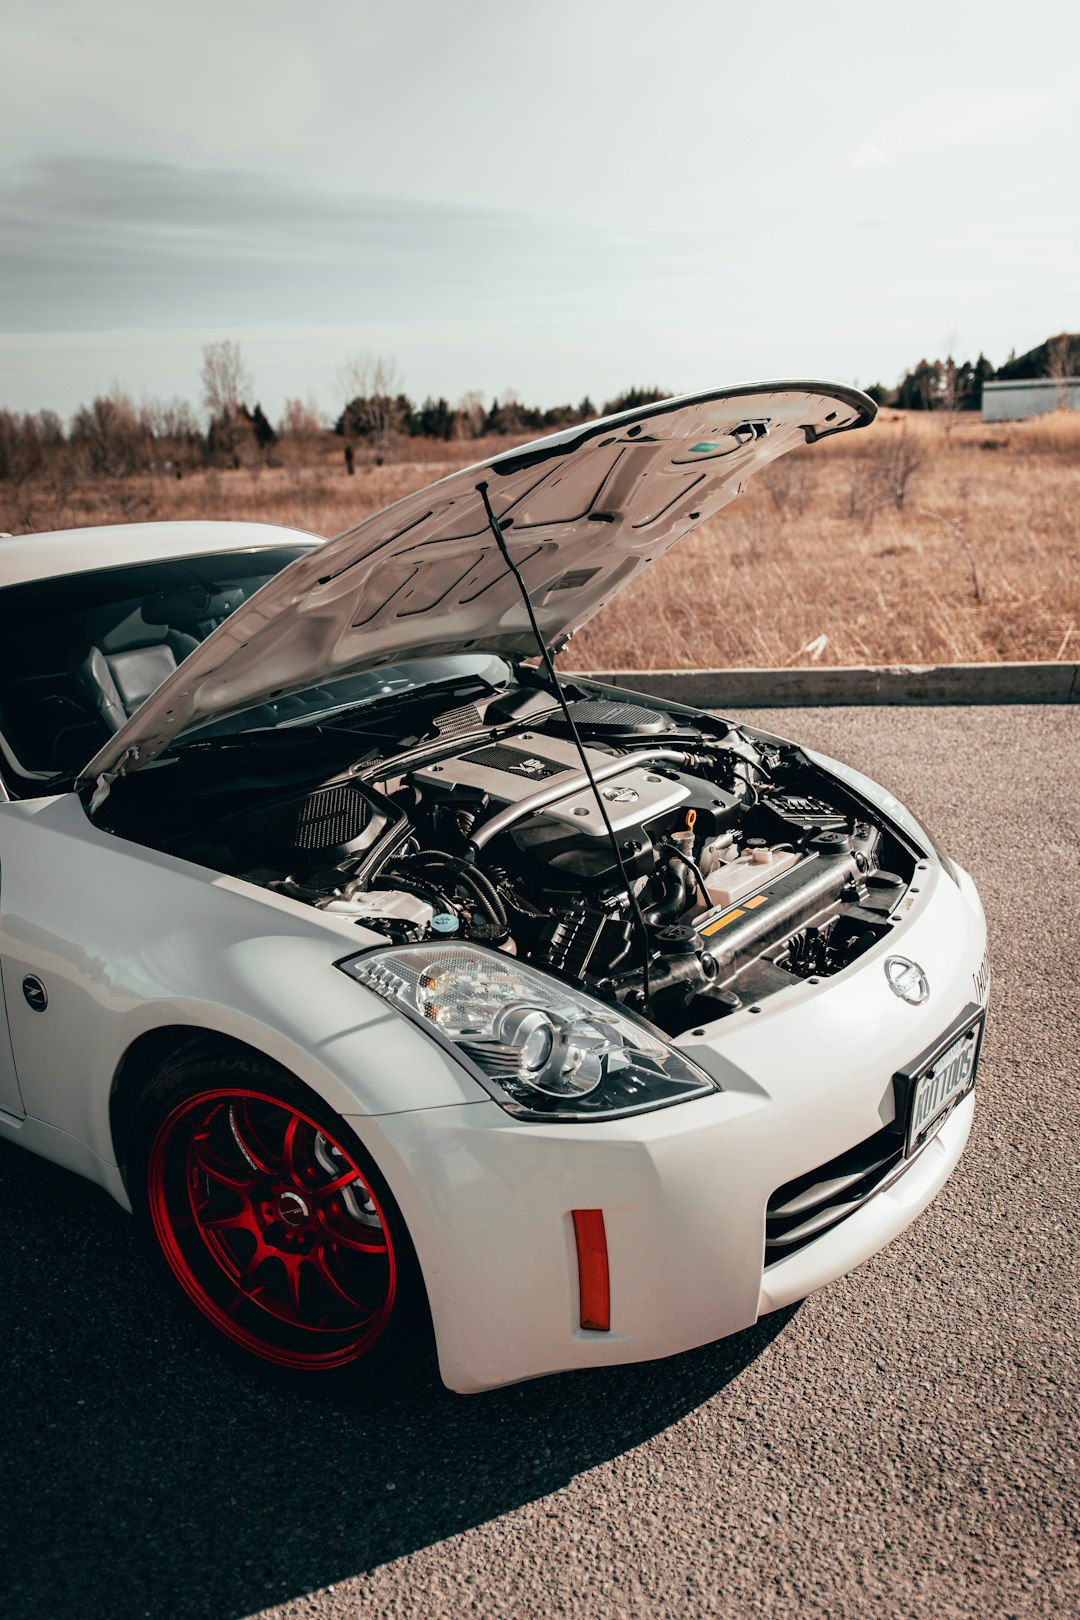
(583, 513)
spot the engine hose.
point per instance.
(428, 892)
(689, 862)
(675, 900)
(477, 882)
(525, 908)
(511, 899)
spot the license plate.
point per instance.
(937, 1090)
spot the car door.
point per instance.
(10, 1097)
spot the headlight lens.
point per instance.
(539, 1047)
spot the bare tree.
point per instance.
(300, 420)
(864, 491)
(882, 473)
(109, 430)
(173, 429)
(790, 482)
(226, 380)
(471, 414)
(299, 434)
(226, 384)
(50, 428)
(369, 385)
(899, 459)
(951, 394)
(20, 447)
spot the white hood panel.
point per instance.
(583, 513)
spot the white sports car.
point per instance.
(415, 998)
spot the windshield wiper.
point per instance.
(265, 738)
(327, 725)
(455, 686)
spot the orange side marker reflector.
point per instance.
(593, 1285)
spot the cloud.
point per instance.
(97, 243)
(868, 156)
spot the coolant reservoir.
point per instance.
(748, 872)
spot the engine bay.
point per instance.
(749, 867)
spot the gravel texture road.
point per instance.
(905, 1443)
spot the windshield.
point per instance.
(80, 653)
(318, 703)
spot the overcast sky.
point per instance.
(566, 197)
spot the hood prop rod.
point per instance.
(556, 687)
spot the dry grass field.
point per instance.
(926, 539)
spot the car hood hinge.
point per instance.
(107, 778)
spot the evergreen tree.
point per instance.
(983, 373)
(920, 390)
(633, 398)
(261, 428)
(434, 420)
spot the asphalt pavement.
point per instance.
(904, 1444)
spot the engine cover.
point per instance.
(529, 767)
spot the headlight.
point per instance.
(539, 1047)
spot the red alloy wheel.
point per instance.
(271, 1229)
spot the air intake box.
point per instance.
(610, 719)
(326, 825)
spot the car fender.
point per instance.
(127, 941)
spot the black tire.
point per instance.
(271, 1223)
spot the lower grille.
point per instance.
(803, 1209)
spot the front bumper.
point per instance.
(684, 1190)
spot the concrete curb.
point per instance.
(854, 684)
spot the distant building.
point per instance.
(1029, 396)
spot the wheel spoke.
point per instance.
(246, 1140)
(371, 1242)
(317, 1258)
(227, 1175)
(294, 1264)
(260, 1254)
(323, 1195)
(242, 1221)
(288, 1150)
